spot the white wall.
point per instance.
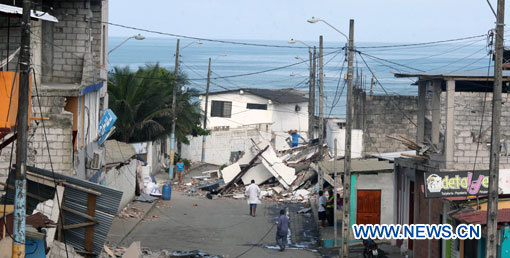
(286, 118)
(220, 144)
(339, 134)
(241, 116)
(123, 180)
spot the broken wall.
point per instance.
(222, 145)
(381, 115)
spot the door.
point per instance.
(368, 209)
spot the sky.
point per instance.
(375, 20)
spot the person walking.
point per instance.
(330, 207)
(180, 169)
(295, 138)
(322, 208)
(282, 230)
(253, 193)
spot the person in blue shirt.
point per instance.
(295, 138)
(180, 169)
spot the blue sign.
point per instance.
(106, 124)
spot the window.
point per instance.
(221, 108)
(256, 106)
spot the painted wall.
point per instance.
(220, 145)
(380, 181)
(280, 117)
(240, 115)
(334, 132)
(122, 179)
(285, 117)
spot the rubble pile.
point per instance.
(284, 176)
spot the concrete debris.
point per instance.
(230, 172)
(130, 212)
(304, 210)
(133, 251)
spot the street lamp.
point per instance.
(294, 41)
(194, 42)
(315, 20)
(137, 37)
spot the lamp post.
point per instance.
(207, 103)
(311, 87)
(174, 108)
(191, 43)
(344, 252)
(137, 37)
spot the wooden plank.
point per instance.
(80, 214)
(89, 231)
(8, 208)
(31, 195)
(409, 140)
(80, 225)
(55, 212)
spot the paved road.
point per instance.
(220, 226)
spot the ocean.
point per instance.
(230, 60)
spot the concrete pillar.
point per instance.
(436, 110)
(422, 109)
(450, 123)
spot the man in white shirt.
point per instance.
(253, 193)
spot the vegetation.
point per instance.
(142, 101)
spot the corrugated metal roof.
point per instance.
(106, 206)
(470, 74)
(357, 165)
(480, 217)
(276, 95)
(34, 14)
(391, 156)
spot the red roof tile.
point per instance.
(480, 217)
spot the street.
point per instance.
(218, 227)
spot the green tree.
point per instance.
(142, 101)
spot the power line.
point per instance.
(423, 43)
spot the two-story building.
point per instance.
(235, 116)
(454, 124)
(69, 53)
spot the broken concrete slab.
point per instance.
(284, 174)
(134, 251)
(259, 173)
(230, 172)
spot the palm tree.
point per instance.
(142, 101)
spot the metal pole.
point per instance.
(18, 244)
(205, 110)
(335, 193)
(321, 108)
(311, 97)
(492, 208)
(347, 157)
(174, 114)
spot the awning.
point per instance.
(34, 14)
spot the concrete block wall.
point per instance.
(59, 135)
(71, 40)
(10, 39)
(382, 116)
(468, 118)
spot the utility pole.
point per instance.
(372, 83)
(174, 114)
(347, 156)
(335, 170)
(205, 110)
(321, 108)
(18, 244)
(492, 208)
(311, 96)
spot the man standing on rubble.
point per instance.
(253, 193)
(295, 138)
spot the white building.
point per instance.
(335, 129)
(269, 112)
